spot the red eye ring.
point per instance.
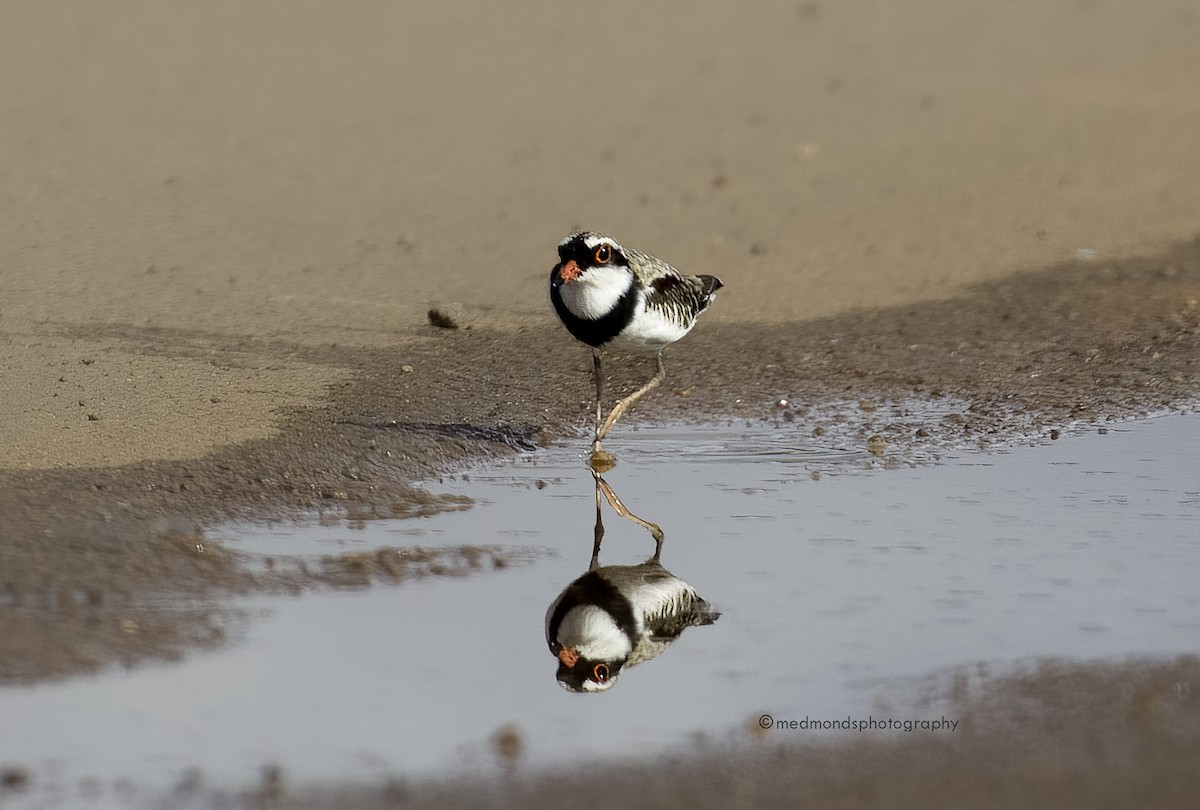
(603, 254)
(600, 672)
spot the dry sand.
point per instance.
(303, 174)
(222, 225)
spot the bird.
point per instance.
(611, 296)
(617, 616)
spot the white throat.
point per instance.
(594, 633)
(596, 293)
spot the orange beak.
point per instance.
(570, 271)
(568, 656)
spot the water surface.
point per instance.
(839, 588)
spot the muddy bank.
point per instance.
(88, 551)
(1050, 734)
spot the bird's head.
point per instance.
(590, 257)
(577, 673)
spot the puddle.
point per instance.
(835, 592)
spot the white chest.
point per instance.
(597, 292)
(594, 633)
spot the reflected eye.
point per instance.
(600, 671)
(603, 254)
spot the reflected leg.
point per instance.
(619, 508)
(595, 563)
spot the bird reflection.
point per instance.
(618, 616)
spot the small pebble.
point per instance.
(14, 777)
(448, 316)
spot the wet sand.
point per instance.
(221, 229)
(86, 548)
(1049, 734)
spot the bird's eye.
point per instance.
(603, 254)
(600, 673)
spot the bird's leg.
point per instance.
(619, 508)
(598, 373)
(624, 404)
(600, 461)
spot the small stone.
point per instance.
(272, 785)
(14, 777)
(876, 445)
(450, 315)
(1054, 434)
(509, 745)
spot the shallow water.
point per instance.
(837, 592)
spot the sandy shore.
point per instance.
(221, 228)
(198, 200)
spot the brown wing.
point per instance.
(682, 297)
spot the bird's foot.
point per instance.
(601, 460)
